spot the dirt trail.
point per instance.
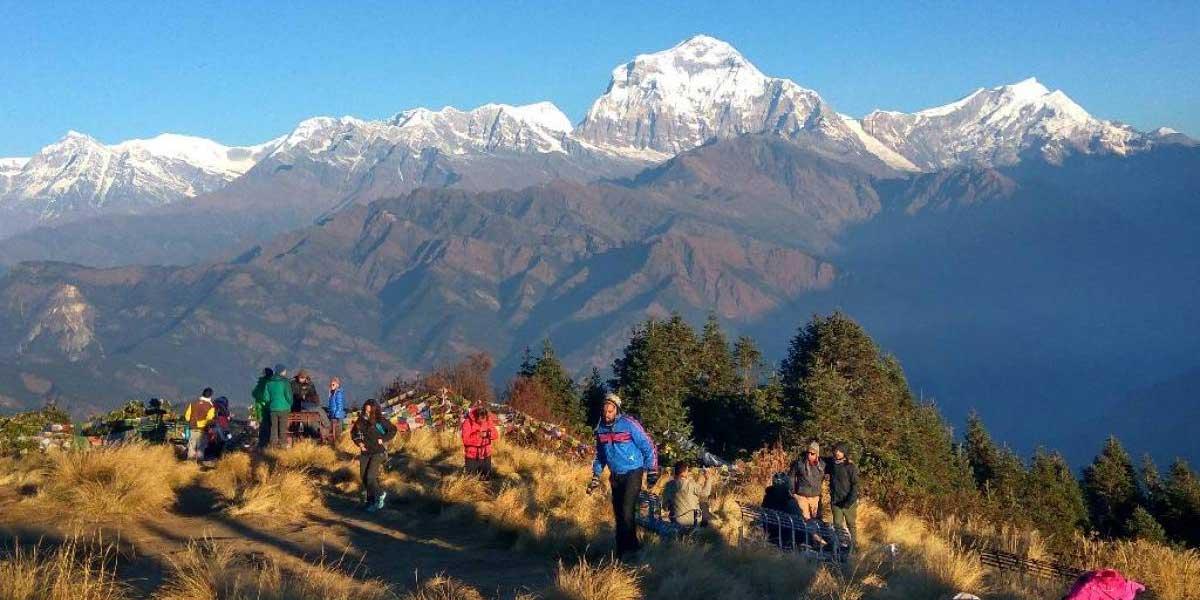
(398, 545)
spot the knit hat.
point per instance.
(614, 399)
(814, 447)
(280, 369)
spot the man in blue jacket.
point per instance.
(626, 449)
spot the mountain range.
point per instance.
(1019, 255)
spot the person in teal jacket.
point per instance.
(278, 397)
(261, 411)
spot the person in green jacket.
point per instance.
(277, 394)
(261, 411)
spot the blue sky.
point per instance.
(242, 74)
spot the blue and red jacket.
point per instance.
(623, 447)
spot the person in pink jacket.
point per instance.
(1105, 584)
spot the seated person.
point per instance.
(778, 497)
(305, 399)
(682, 496)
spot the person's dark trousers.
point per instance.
(625, 490)
(369, 466)
(479, 466)
(279, 423)
(264, 431)
(847, 518)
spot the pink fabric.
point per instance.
(1106, 584)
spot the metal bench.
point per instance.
(791, 533)
(650, 516)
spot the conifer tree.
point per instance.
(747, 359)
(1053, 498)
(563, 395)
(1142, 525)
(655, 373)
(835, 383)
(1110, 488)
(594, 391)
(1181, 514)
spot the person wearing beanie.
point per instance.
(278, 396)
(843, 491)
(808, 472)
(626, 449)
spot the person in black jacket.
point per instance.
(371, 432)
(843, 491)
(778, 496)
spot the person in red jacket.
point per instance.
(478, 432)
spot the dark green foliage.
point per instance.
(1141, 525)
(747, 360)
(594, 390)
(562, 396)
(1053, 499)
(1110, 487)
(655, 374)
(1181, 504)
(998, 472)
(837, 387)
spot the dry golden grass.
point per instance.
(304, 456)
(112, 482)
(72, 571)
(277, 492)
(602, 581)
(19, 472)
(443, 588)
(208, 570)
(1171, 574)
(232, 472)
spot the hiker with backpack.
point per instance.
(626, 449)
(197, 415)
(371, 432)
(219, 432)
(478, 432)
(277, 395)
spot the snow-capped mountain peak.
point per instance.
(80, 172)
(665, 102)
(997, 126)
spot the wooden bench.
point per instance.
(1008, 561)
(791, 533)
(299, 423)
(650, 516)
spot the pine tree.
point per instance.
(980, 450)
(747, 359)
(563, 395)
(655, 373)
(713, 395)
(1142, 525)
(1110, 487)
(1053, 499)
(594, 391)
(836, 383)
(1181, 492)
